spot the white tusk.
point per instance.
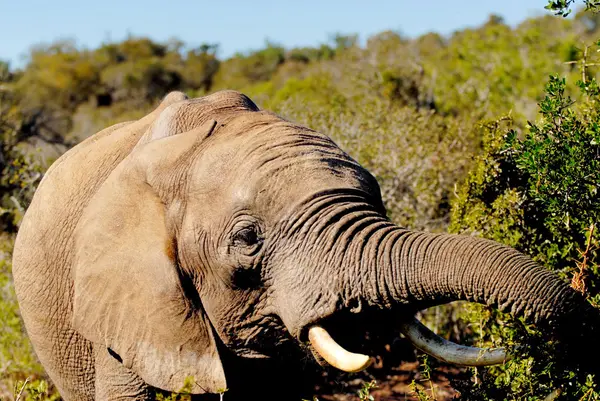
(334, 354)
(440, 348)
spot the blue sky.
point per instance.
(238, 25)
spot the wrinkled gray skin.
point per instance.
(209, 230)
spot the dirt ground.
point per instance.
(393, 384)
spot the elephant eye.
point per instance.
(247, 236)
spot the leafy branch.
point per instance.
(563, 7)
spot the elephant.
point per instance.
(211, 239)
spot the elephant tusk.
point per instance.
(447, 351)
(335, 354)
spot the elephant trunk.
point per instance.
(427, 269)
(401, 267)
(382, 266)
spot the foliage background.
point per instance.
(465, 133)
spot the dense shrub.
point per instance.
(538, 192)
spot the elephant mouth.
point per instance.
(363, 337)
(331, 338)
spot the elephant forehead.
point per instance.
(265, 150)
(301, 160)
(271, 174)
(282, 190)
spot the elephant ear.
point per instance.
(129, 292)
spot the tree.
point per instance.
(20, 172)
(562, 7)
(200, 66)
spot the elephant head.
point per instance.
(228, 226)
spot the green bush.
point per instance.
(539, 193)
(561, 7)
(245, 69)
(20, 173)
(200, 66)
(19, 367)
(58, 76)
